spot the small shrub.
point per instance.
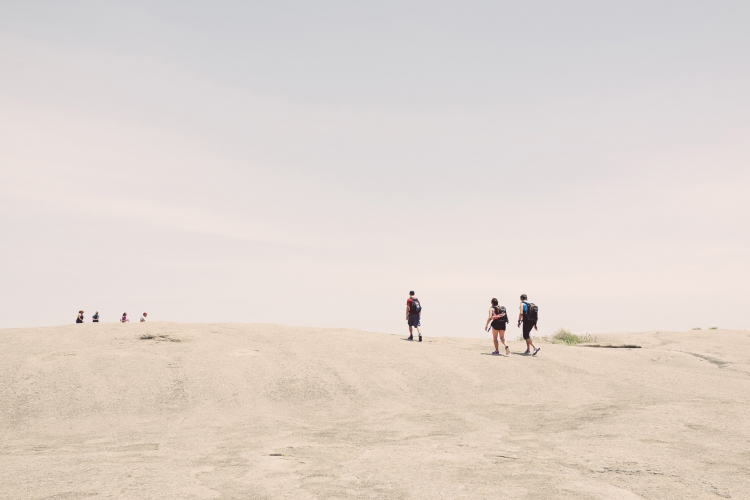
(713, 328)
(697, 328)
(563, 336)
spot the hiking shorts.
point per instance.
(527, 327)
(413, 319)
(498, 324)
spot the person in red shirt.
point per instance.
(413, 313)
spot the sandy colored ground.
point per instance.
(268, 412)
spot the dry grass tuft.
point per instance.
(563, 336)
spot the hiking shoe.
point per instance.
(496, 353)
(507, 350)
(411, 337)
(420, 338)
(536, 351)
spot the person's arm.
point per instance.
(520, 315)
(489, 318)
(407, 311)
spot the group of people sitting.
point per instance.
(95, 317)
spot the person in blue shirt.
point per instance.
(528, 325)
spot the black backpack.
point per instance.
(532, 312)
(415, 307)
(500, 310)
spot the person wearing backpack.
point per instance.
(499, 318)
(528, 313)
(413, 312)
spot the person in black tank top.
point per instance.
(498, 317)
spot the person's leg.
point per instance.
(502, 340)
(527, 335)
(410, 334)
(494, 339)
(536, 349)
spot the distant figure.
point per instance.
(79, 319)
(413, 313)
(143, 318)
(124, 318)
(95, 317)
(499, 317)
(529, 314)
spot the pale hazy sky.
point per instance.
(309, 163)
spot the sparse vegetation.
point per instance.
(697, 328)
(159, 338)
(713, 328)
(564, 336)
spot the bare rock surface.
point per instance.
(236, 411)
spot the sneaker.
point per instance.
(420, 338)
(536, 351)
(507, 350)
(496, 353)
(411, 337)
(526, 353)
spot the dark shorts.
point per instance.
(527, 327)
(413, 319)
(498, 324)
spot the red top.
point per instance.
(408, 304)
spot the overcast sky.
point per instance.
(309, 163)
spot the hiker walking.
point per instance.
(413, 312)
(528, 313)
(499, 318)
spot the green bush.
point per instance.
(563, 336)
(713, 328)
(697, 328)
